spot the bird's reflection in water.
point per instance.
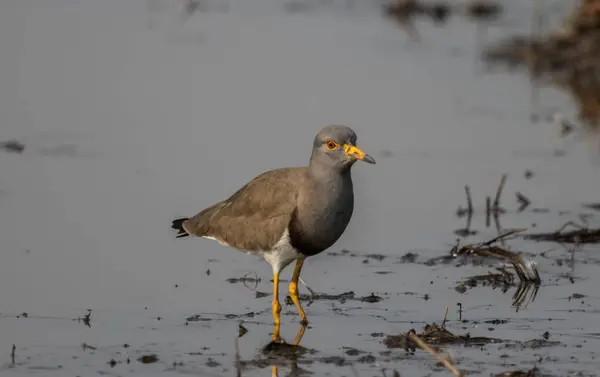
(278, 353)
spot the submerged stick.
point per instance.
(496, 206)
(524, 202)
(498, 228)
(488, 210)
(502, 236)
(412, 336)
(469, 201)
(445, 316)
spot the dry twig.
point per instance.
(413, 336)
(445, 316)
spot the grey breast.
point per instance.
(324, 211)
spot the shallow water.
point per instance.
(132, 117)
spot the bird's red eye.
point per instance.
(331, 145)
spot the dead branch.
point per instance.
(526, 271)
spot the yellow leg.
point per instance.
(276, 308)
(293, 289)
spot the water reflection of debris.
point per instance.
(493, 210)
(275, 354)
(405, 10)
(525, 269)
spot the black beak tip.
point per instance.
(369, 159)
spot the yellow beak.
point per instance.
(353, 151)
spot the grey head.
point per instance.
(335, 148)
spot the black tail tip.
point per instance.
(178, 226)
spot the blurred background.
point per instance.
(117, 116)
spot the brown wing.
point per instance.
(255, 217)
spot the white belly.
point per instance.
(281, 256)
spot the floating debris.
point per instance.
(483, 10)
(242, 280)
(242, 330)
(212, 363)
(402, 10)
(435, 334)
(594, 206)
(580, 235)
(86, 319)
(372, 298)
(12, 146)
(535, 372)
(285, 350)
(86, 346)
(525, 270)
(207, 317)
(439, 12)
(342, 297)
(533, 344)
(377, 257)
(409, 257)
(352, 351)
(148, 359)
(523, 201)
